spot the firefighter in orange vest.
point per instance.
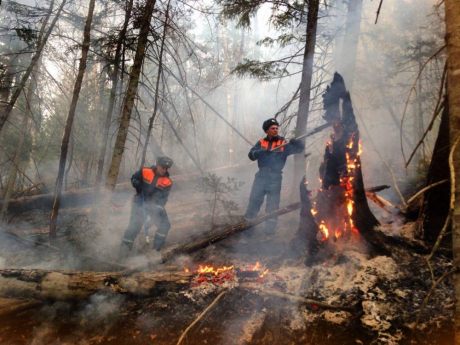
(268, 179)
(152, 190)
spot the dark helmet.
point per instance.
(270, 122)
(165, 162)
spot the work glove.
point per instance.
(262, 153)
(294, 142)
(136, 183)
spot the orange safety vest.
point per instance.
(148, 175)
(265, 143)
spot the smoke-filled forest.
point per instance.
(229, 172)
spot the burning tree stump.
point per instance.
(341, 208)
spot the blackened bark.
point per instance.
(304, 243)
(436, 200)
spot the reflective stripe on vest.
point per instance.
(148, 175)
(264, 144)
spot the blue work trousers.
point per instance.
(158, 217)
(269, 184)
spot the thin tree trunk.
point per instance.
(112, 99)
(300, 164)
(70, 118)
(157, 86)
(25, 124)
(228, 91)
(452, 10)
(129, 97)
(6, 111)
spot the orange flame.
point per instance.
(265, 272)
(324, 230)
(210, 269)
(313, 212)
(350, 207)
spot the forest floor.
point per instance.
(391, 290)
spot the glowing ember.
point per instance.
(313, 212)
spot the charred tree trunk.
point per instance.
(342, 207)
(129, 97)
(304, 243)
(75, 285)
(69, 122)
(300, 164)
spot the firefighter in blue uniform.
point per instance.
(268, 179)
(152, 190)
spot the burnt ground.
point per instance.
(390, 289)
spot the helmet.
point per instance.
(164, 161)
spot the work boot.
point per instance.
(125, 249)
(270, 229)
(159, 242)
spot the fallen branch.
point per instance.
(230, 231)
(199, 317)
(171, 252)
(376, 199)
(376, 189)
(356, 308)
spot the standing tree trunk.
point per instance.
(452, 8)
(300, 164)
(129, 97)
(70, 117)
(112, 99)
(6, 111)
(25, 123)
(228, 96)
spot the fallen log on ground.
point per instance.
(230, 231)
(9, 306)
(171, 252)
(74, 285)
